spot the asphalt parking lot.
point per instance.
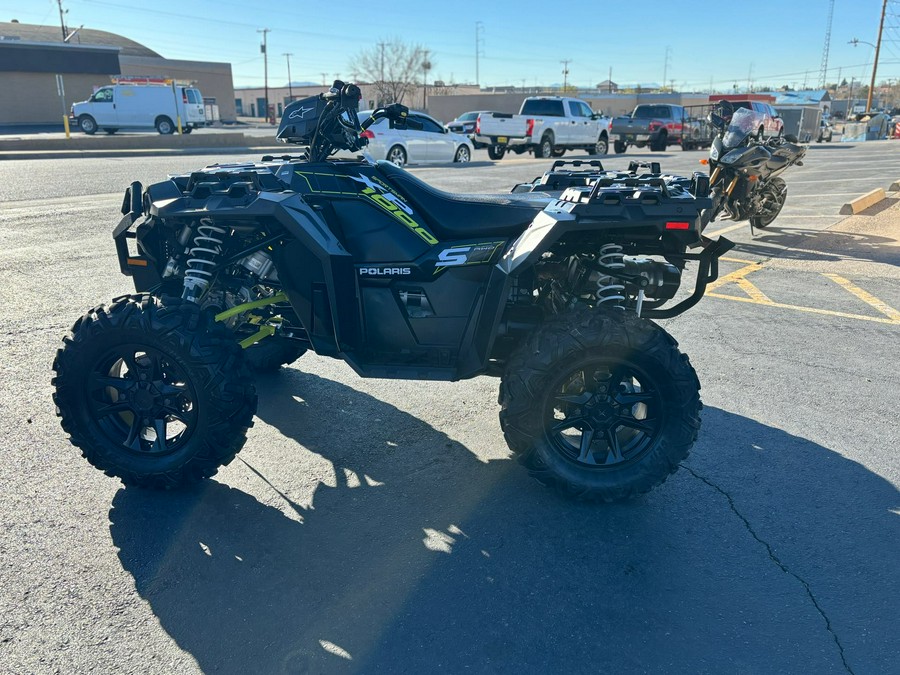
(380, 526)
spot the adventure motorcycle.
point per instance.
(745, 168)
(242, 266)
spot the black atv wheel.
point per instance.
(155, 394)
(775, 197)
(619, 147)
(270, 354)
(496, 151)
(600, 406)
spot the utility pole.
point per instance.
(265, 32)
(290, 85)
(565, 73)
(877, 51)
(479, 42)
(62, 20)
(381, 87)
(749, 77)
(666, 66)
(426, 66)
(324, 79)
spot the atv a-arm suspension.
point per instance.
(265, 330)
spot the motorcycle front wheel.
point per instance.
(775, 195)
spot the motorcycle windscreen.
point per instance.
(742, 124)
(300, 119)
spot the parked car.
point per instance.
(432, 143)
(465, 125)
(140, 106)
(546, 125)
(826, 131)
(660, 125)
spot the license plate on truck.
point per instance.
(502, 140)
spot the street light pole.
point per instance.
(290, 85)
(265, 32)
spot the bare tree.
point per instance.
(393, 66)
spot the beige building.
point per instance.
(250, 101)
(31, 58)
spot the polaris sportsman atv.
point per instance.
(245, 267)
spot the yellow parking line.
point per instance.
(754, 292)
(740, 260)
(865, 296)
(811, 310)
(734, 276)
(732, 228)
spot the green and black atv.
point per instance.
(244, 267)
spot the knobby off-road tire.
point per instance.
(649, 384)
(137, 371)
(271, 353)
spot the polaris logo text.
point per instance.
(384, 271)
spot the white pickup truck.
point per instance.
(548, 125)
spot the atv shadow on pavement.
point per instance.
(438, 561)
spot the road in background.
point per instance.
(378, 525)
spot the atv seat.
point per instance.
(458, 216)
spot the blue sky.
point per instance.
(771, 43)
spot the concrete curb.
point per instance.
(144, 152)
(862, 203)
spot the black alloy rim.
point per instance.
(142, 400)
(772, 205)
(604, 415)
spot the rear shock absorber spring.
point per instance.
(610, 291)
(207, 247)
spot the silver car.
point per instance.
(430, 144)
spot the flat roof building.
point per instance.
(31, 57)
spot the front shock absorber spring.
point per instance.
(202, 259)
(610, 291)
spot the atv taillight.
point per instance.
(368, 133)
(529, 127)
(678, 225)
(478, 124)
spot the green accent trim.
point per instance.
(247, 306)
(304, 174)
(264, 331)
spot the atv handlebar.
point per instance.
(397, 113)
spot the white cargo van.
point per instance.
(140, 106)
